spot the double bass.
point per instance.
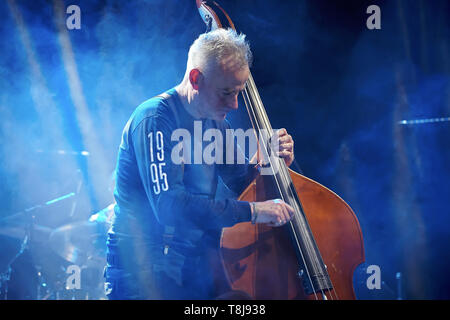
(315, 254)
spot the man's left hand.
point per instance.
(286, 146)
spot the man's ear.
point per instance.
(195, 76)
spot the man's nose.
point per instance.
(233, 102)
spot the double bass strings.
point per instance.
(255, 114)
(293, 200)
(259, 119)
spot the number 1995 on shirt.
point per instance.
(158, 176)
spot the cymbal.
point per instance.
(13, 232)
(18, 231)
(80, 243)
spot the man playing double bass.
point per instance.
(166, 216)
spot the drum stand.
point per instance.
(6, 276)
(28, 216)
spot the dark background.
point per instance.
(339, 89)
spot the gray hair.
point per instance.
(216, 45)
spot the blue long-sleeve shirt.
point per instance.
(155, 191)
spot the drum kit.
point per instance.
(44, 263)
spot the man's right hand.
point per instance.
(274, 213)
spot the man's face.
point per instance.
(220, 87)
